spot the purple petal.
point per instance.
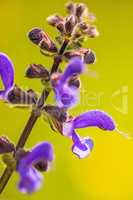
(68, 129)
(75, 66)
(7, 74)
(66, 96)
(82, 146)
(96, 118)
(43, 150)
(30, 178)
(31, 181)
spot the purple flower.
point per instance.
(30, 178)
(68, 95)
(83, 146)
(7, 74)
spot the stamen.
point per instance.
(125, 135)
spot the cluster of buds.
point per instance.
(66, 88)
(75, 27)
(41, 39)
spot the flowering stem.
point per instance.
(33, 118)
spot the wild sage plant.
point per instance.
(68, 46)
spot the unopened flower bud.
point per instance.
(20, 97)
(70, 6)
(53, 20)
(89, 57)
(80, 9)
(86, 54)
(92, 32)
(40, 38)
(36, 35)
(37, 71)
(70, 24)
(71, 54)
(56, 112)
(58, 22)
(61, 27)
(5, 145)
(32, 94)
(83, 26)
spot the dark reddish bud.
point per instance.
(92, 32)
(37, 71)
(89, 57)
(70, 6)
(5, 145)
(36, 35)
(55, 112)
(70, 24)
(71, 54)
(53, 20)
(20, 97)
(40, 38)
(80, 8)
(57, 22)
(83, 26)
(61, 27)
(41, 165)
(87, 54)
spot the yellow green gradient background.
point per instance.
(108, 173)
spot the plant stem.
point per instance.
(33, 118)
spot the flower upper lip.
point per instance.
(7, 74)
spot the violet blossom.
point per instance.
(94, 118)
(30, 177)
(7, 74)
(68, 95)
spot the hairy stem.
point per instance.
(33, 118)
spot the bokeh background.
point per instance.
(108, 173)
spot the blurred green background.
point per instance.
(108, 173)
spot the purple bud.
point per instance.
(83, 26)
(70, 24)
(21, 97)
(37, 71)
(53, 20)
(71, 54)
(40, 38)
(36, 35)
(5, 145)
(70, 6)
(80, 9)
(89, 57)
(92, 32)
(56, 112)
(61, 27)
